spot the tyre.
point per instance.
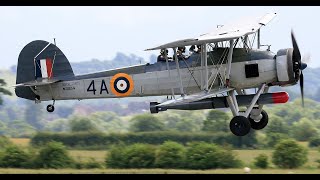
(50, 108)
(240, 126)
(262, 123)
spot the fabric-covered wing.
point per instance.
(195, 97)
(242, 27)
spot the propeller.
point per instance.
(298, 65)
(301, 88)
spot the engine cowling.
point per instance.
(287, 70)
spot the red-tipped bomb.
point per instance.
(221, 102)
(280, 97)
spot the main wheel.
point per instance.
(240, 126)
(260, 124)
(50, 108)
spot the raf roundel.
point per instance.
(121, 84)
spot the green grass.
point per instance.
(24, 142)
(247, 156)
(84, 156)
(157, 171)
(304, 143)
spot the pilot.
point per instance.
(192, 49)
(180, 54)
(161, 57)
(198, 49)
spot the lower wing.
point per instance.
(195, 97)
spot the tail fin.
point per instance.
(41, 60)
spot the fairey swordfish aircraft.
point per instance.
(218, 76)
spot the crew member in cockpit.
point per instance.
(161, 57)
(192, 49)
(180, 53)
(198, 49)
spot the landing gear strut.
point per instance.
(240, 126)
(50, 107)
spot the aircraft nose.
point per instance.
(303, 66)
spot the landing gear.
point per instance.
(50, 108)
(257, 125)
(240, 126)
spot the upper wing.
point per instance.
(242, 27)
(41, 82)
(194, 97)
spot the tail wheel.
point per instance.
(240, 126)
(50, 108)
(260, 124)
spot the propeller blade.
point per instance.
(296, 52)
(296, 59)
(301, 88)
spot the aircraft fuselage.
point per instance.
(154, 79)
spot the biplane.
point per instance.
(219, 74)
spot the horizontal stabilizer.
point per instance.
(41, 82)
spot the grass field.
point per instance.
(247, 156)
(24, 142)
(157, 171)
(83, 155)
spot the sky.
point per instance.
(84, 33)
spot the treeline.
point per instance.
(97, 140)
(195, 155)
(51, 155)
(200, 155)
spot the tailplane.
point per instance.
(40, 61)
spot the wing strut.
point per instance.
(258, 40)
(229, 62)
(178, 69)
(168, 67)
(231, 98)
(204, 61)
